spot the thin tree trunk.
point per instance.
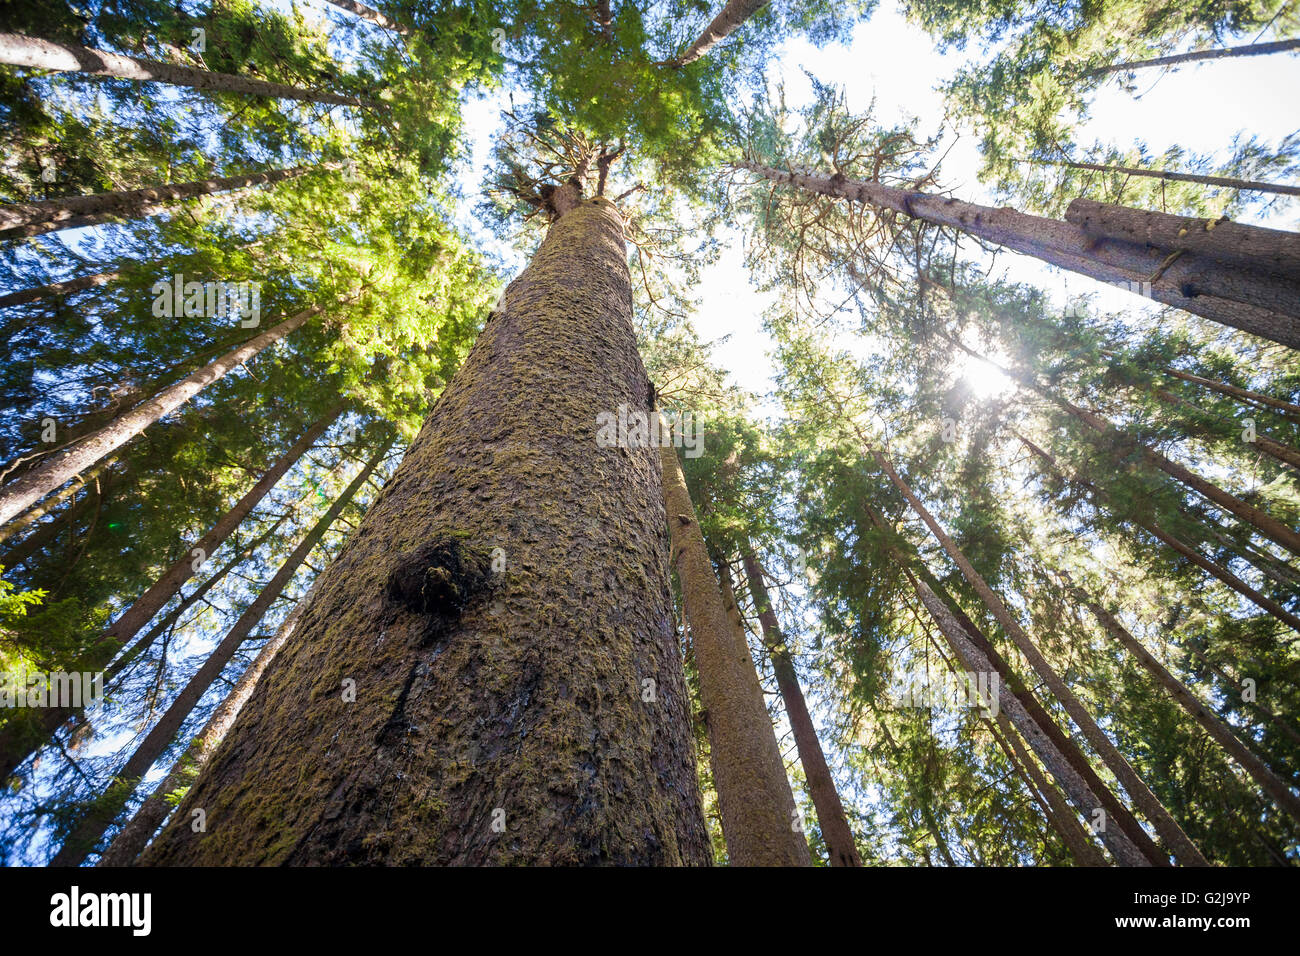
(1225, 181)
(24, 296)
(1190, 553)
(123, 400)
(1245, 395)
(729, 18)
(1165, 825)
(1059, 812)
(371, 14)
(1263, 522)
(1127, 842)
(23, 492)
(164, 589)
(1056, 749)
(1257, 305)
(1254, 49)
(754, 797)
(1272, 251)
(1276, 720)
(88, 831)
(134, 836)
(534, 709)
(44, 534)
(1048, 731)
(923, 806)
(1056, 809)
(33, 53)
(156, 597)
(17, 743)
(50, 502)
(1278, 791)
(25, 219)
(840, 845)
(1274, 449)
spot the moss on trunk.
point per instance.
(546, 721)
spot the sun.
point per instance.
(984, 379)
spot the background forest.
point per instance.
(983, 316)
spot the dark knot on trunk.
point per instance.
(441, 579)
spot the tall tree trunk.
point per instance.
(840, 845)
(371, 14)
(33, 53)
(728, 20)
(131, 840)
(91, 827)
(1164, 537)
(23, 492)
(1252, 303)
(533, 714)
(25, 219)
(23, 296)
(754, 797)
(1254, 49)
(1278, 791)
(1168, 175)
(1165, 825)
(1272, 251)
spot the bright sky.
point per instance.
(1200, 107)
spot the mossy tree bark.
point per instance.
(754, 797)
(525, 705)
(840, 845)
